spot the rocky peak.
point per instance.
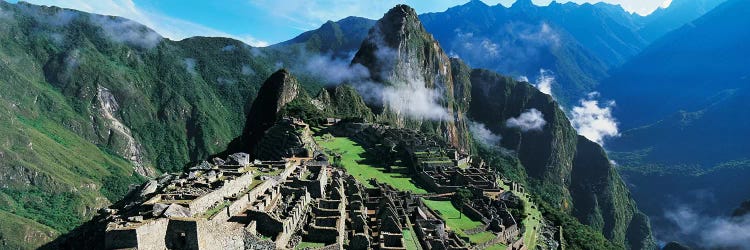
(400, 54)
(278, 90)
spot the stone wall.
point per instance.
(150, 235)
(230, 187)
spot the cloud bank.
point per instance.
(712, 232)
(594, 120)
(531, 120)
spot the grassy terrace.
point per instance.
(364, 166)
(410, 240)
(533, 219)
(310, 245)
(459, 222)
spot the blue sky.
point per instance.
(264, 22)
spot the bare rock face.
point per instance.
(118, 135)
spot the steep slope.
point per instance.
(565, 169)
(276, 92)
(91, 103)
(414, 76)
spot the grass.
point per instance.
(363, 166)
(497, 247)
(216, 209)
(312, 245)
(533, 218)
(458, 222)
(410, 242)
(482, 237)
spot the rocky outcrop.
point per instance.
(415, 73)
(277, 91)
(118, 135)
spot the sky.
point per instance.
(265, 22)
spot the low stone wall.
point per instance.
(231, 187)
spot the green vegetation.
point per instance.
(410, 240)
(455, 220)
(216, 209)
(531, 220)
(309, 245)
(577, 235)
(363, 166)
(497, 247)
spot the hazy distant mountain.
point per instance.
(679, 12)
(686, 69)
(578, 43)
(685, 101)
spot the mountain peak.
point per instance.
(523, 4)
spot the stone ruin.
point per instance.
(240, 203)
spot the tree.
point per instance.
(460, 197)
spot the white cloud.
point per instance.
(173, 28)
(712, 232)
(484, 135)
(594, 121)
(544, 81)
(334, 70)
(127, 31)
(530, 120)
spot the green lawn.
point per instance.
(410, 240)
(312, 245)
(497, 247)
(359, 164)
(457, 223)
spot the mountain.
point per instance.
(684, 70)
(91, 104)
(418, 87)
(678, 13)
(577, 43)
(684, 102)
(567, 170)
(341, 38)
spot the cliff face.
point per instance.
(416, 75)
(568, 170)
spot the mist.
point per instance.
(709, 231)
(484, 135)
(531, 120)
